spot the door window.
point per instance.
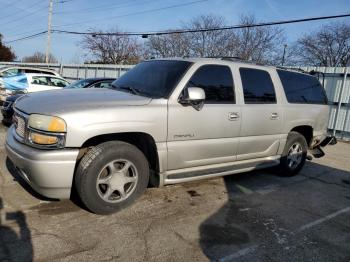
(105, 84)
(40, 80)
(57, 82)
(11, 72)
(217, 83)
(257, 86)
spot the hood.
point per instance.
(57, 102)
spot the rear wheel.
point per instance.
(111, 176)
(294, 154)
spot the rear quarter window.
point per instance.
(301, 88)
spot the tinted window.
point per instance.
(102, 84)
(81, 83)
(301, 88)
(155, 78)
(257, 86)
(217, 82)
(37, 71)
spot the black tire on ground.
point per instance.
(285, 169)
(89, 170)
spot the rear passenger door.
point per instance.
(38, 83)
(262, 117)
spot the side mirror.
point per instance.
(193, 96)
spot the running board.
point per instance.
(197, 173)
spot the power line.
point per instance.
(10, 4)
(27, 37)
(157, 33)
(134, 13)
(104, 7)
(22, 16)
(18, 13)
(183, 31)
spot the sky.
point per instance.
(21, 18)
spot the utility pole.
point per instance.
(48, 44)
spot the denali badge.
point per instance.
(183, 136)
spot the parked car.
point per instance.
(7, 108)
(165, 122)
(28, 83)
(18, 70)
(92, 83)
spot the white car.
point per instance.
(18, 70)
(28, 83)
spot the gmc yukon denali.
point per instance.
(167, 121)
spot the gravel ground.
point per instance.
(255, 216)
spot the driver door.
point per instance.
(210, 135)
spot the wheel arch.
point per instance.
(306, 131)
(143, 141)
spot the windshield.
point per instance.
(80, 84)
(155, 79)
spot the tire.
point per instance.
(111, 176)
(294, 155)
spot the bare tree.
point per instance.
(112, 49)
(39, 57)
(172, 45)
(329, 46)
(6, 54)
(260, 44)
(209, 43)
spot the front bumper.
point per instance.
(49, 172)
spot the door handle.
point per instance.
(274, 116)
(233, 116)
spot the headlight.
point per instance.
(46, 131)
(47, 123)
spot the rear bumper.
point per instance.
(329, 140)
(317, 151)
(49, 172)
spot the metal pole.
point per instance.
(284, 53)
(339, 100)
(48, 44)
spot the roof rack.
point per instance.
(293, 69)
(235, 59)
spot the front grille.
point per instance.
(20, 125)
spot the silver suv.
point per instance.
(164, 122)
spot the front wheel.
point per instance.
(111, 176)
(294, 154)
